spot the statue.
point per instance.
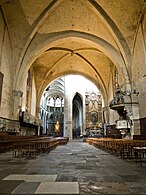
(57, 127)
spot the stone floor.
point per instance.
(75, 168)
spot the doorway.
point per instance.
(77, 114)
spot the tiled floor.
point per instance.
(75, 168)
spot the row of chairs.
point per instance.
(36, 147)
(4, 136)
(29, 145)
(7, 141)
(126, 149)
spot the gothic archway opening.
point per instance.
(77, 115)
(63, 102)
(52, 103)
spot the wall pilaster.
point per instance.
(133, 114)
(17, 102)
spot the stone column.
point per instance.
(135, 130)
(54, 104)
(84, 118)
(67, 118)
(17, 101)
(68, 94)
(133, 114)
(38, 120)
(49, 105)
(61, 105)
(104, 119)
(44, 120)
(87, 109)
(38, 109)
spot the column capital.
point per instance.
(105, 108)
(17, 93)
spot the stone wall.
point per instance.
(139, 70)
(6, 68)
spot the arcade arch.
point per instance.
(84, 67)
(72, 108)
(87, 38)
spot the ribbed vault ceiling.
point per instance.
(113, 23)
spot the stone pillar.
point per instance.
(133, 114)
(67, 118)
(84, 118)
(38, 130)
(54, 104)
(87, 109)
(61, 105)
(38, 109)
(17, 101)
(38, 120)
(49, 105)
(135, 130)
(104, 119)
(44, 120)
(68, 94)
